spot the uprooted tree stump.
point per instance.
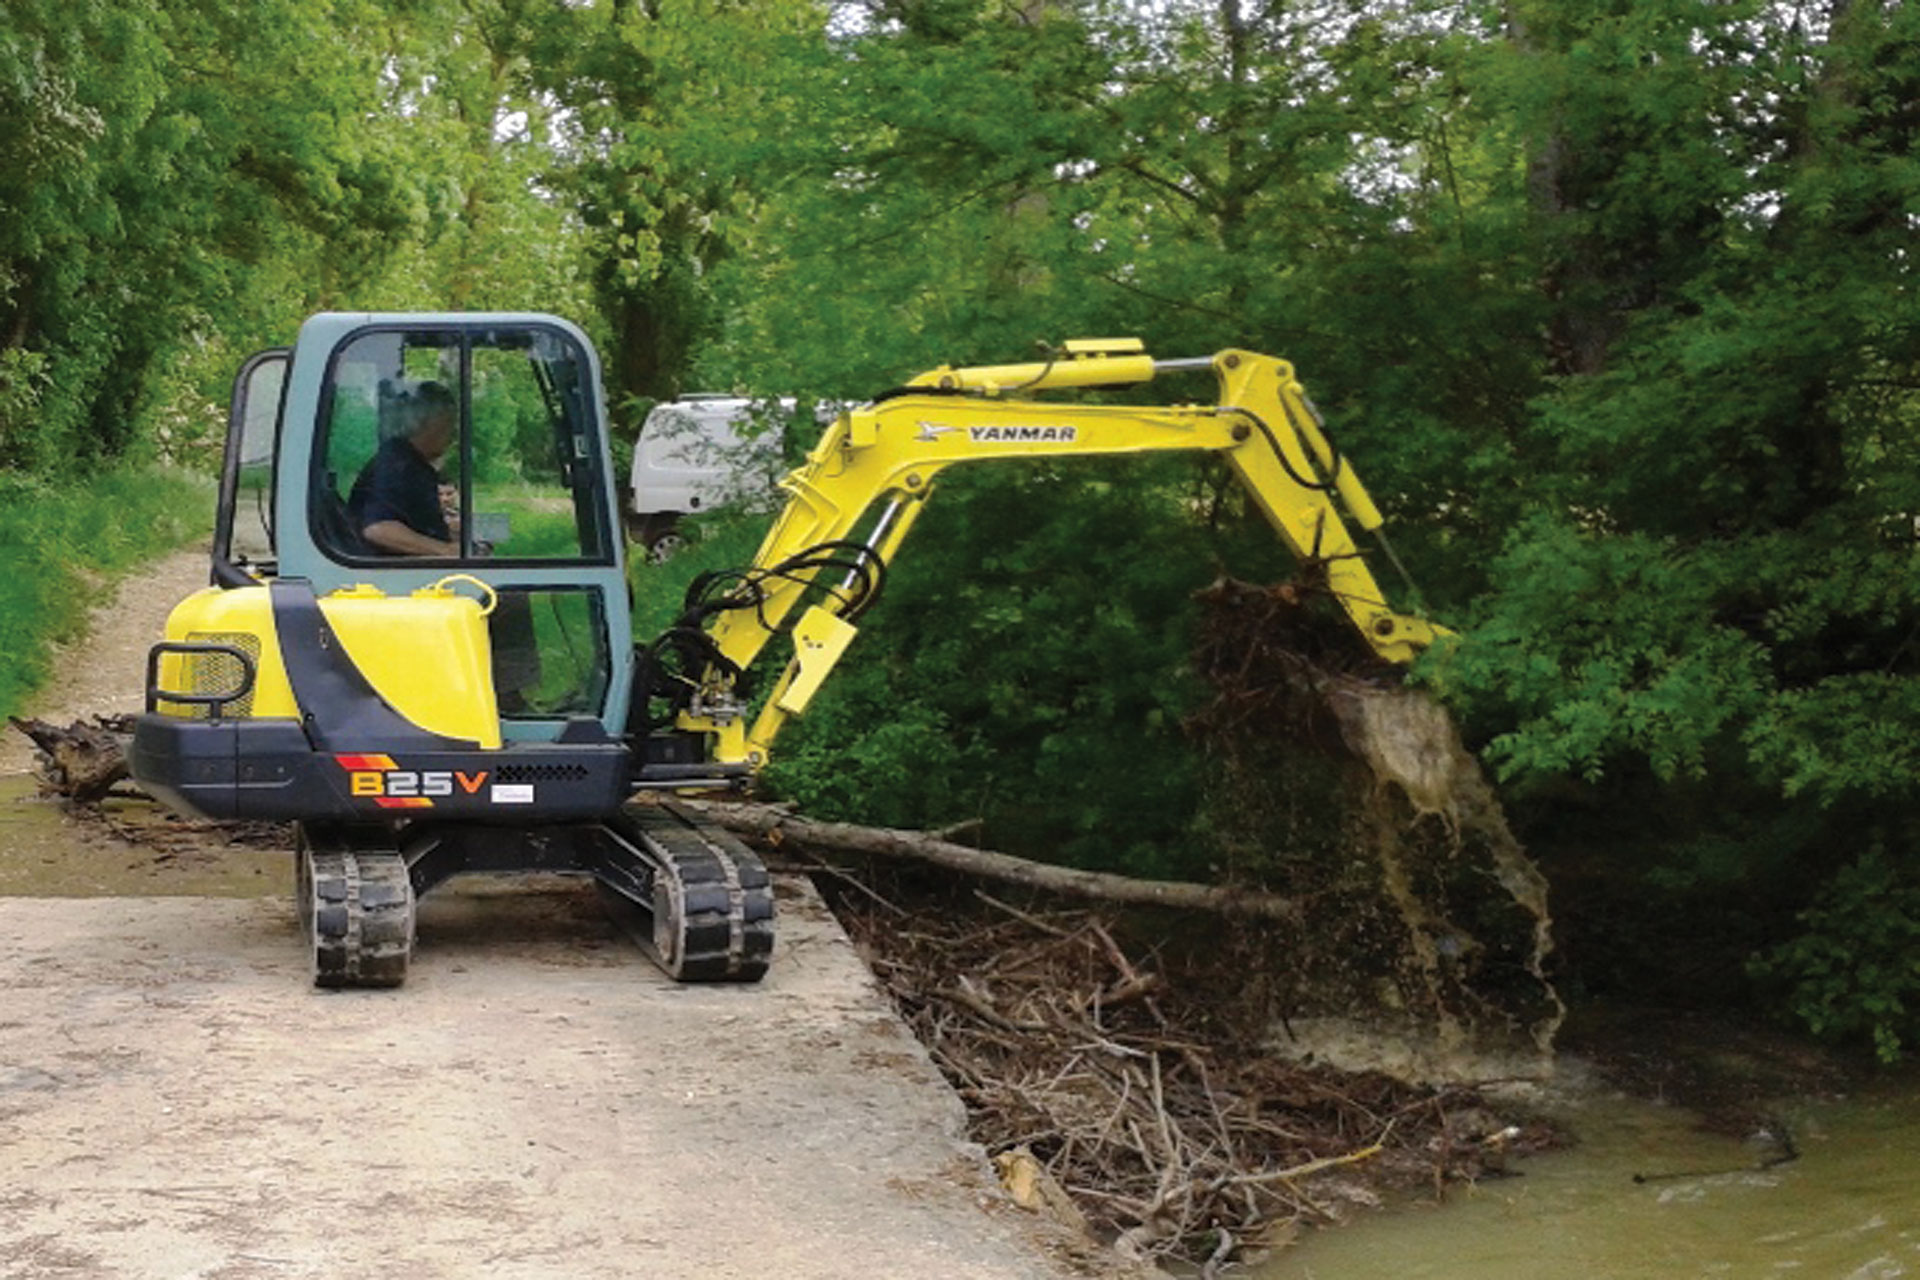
(1337, 781)
(81, 761)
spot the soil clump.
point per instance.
(1340, 785)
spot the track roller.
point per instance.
(356, 909)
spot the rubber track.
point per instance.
(724, 897)
(359, 912)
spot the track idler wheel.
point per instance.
(357, 912)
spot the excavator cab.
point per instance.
(521, 492)
(505, 629)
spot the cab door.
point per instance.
(243, 542)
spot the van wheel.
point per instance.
(659, 533)
(666, 546)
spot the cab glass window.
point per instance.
(460, 444)
(244, 533)
(549, 652)
(536, 489)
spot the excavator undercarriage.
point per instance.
(695, 899)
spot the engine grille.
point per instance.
(541, 773)
(218, 673)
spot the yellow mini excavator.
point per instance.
(416, 642)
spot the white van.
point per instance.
(703, 451)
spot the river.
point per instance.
(1647, 1194)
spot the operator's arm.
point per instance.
(397, 539)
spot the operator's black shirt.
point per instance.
(398, 484)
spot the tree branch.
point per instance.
(770, 823)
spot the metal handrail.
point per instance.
(214, 702)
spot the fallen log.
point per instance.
(773, 824)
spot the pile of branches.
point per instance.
(1141, 1098)
(85, 762)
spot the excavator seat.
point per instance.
(333, 521)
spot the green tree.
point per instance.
(1709, 617)
(1611, 301)
(168, 170)
(654, 113)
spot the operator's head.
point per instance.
(432, 417)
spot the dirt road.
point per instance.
(176, 1101)
(104, 673)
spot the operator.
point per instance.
(398, 503)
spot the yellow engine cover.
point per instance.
(427, 654)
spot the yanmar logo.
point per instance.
(931, 431)
(1022, 435)
(380, 779)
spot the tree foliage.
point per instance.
(162, 166)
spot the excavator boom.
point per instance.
(863, 486)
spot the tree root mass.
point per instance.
(1350, 791)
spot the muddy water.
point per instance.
(1848, 1208)
(47, 852)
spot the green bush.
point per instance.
(61, 546)
(1854, 974)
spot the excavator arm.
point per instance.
(854, 500)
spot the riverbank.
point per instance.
(1136, 1057)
